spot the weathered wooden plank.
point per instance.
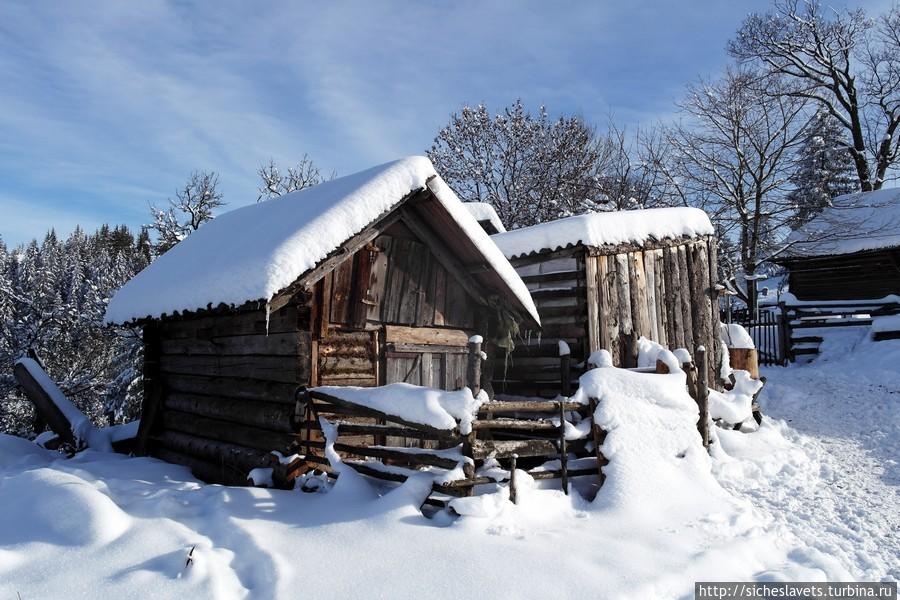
(592, 297)
(249, 389)
(515, 424)
(378, 278)
(266, 415)
(240, 458)
(44, 404)
(505, 406)
(397, 456)
(639, 308)
(650, 274)
(425, 335)
(410, 299)
(612, 295)
(661, 310)
(338, 403)
(684, 267)
(482, 449)
(285, 320)
(673, 299)
(341, 291)
(281, 344)
(224, 431)
(268, 368)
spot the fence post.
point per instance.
(563, 451)
(473, 366)
(702, 397)
(565, 373)
(784, 328)
(513, 492)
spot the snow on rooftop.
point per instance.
(606, 228)
(253, 252)
(853, 223)
(482, 211)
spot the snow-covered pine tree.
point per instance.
(824, 168)
(53, 297)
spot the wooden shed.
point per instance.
(366, 280)
(604, 280)
(850, 251)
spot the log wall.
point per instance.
(860, 276)
(608, 298)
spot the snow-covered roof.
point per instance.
(482, 211)
(253, 252)
(606, 229)
(853, 223)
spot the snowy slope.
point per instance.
(255, 251)
(855, 222)
(606, 228)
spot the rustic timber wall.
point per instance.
(607, 298)
(224, 389)
(859, 276)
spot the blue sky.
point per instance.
(107, 107)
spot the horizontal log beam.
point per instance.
(340, 403)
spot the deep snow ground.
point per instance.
(833, 479)
(812, 498)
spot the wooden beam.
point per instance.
(425, 335)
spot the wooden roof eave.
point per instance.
(786, 261)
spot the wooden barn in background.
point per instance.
(394, 300)
(850, 251)
(603, 280)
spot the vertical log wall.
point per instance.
(608, 298)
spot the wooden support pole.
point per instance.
(702, 396)
(565, 373)
(513, 492)
(473, 365)
(563, 452)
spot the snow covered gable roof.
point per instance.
(853, 223)
(254, 252)
(606, 229)
(484, 213)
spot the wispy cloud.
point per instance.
(107, 106)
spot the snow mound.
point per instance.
(735, 336)
(606, 229)
(441, 409)
(649, 352)
(736, 405)
(253, 252)
(658, 468)
(74, 514)
(886, 324)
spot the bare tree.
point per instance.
(529, 167)
(275, 183)
(193, 205)
(733, 157)
(843, 61)
(637, 172)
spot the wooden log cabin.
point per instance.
(366, 280)
(850, 251)
(602, 281)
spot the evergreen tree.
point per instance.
(824, 169)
